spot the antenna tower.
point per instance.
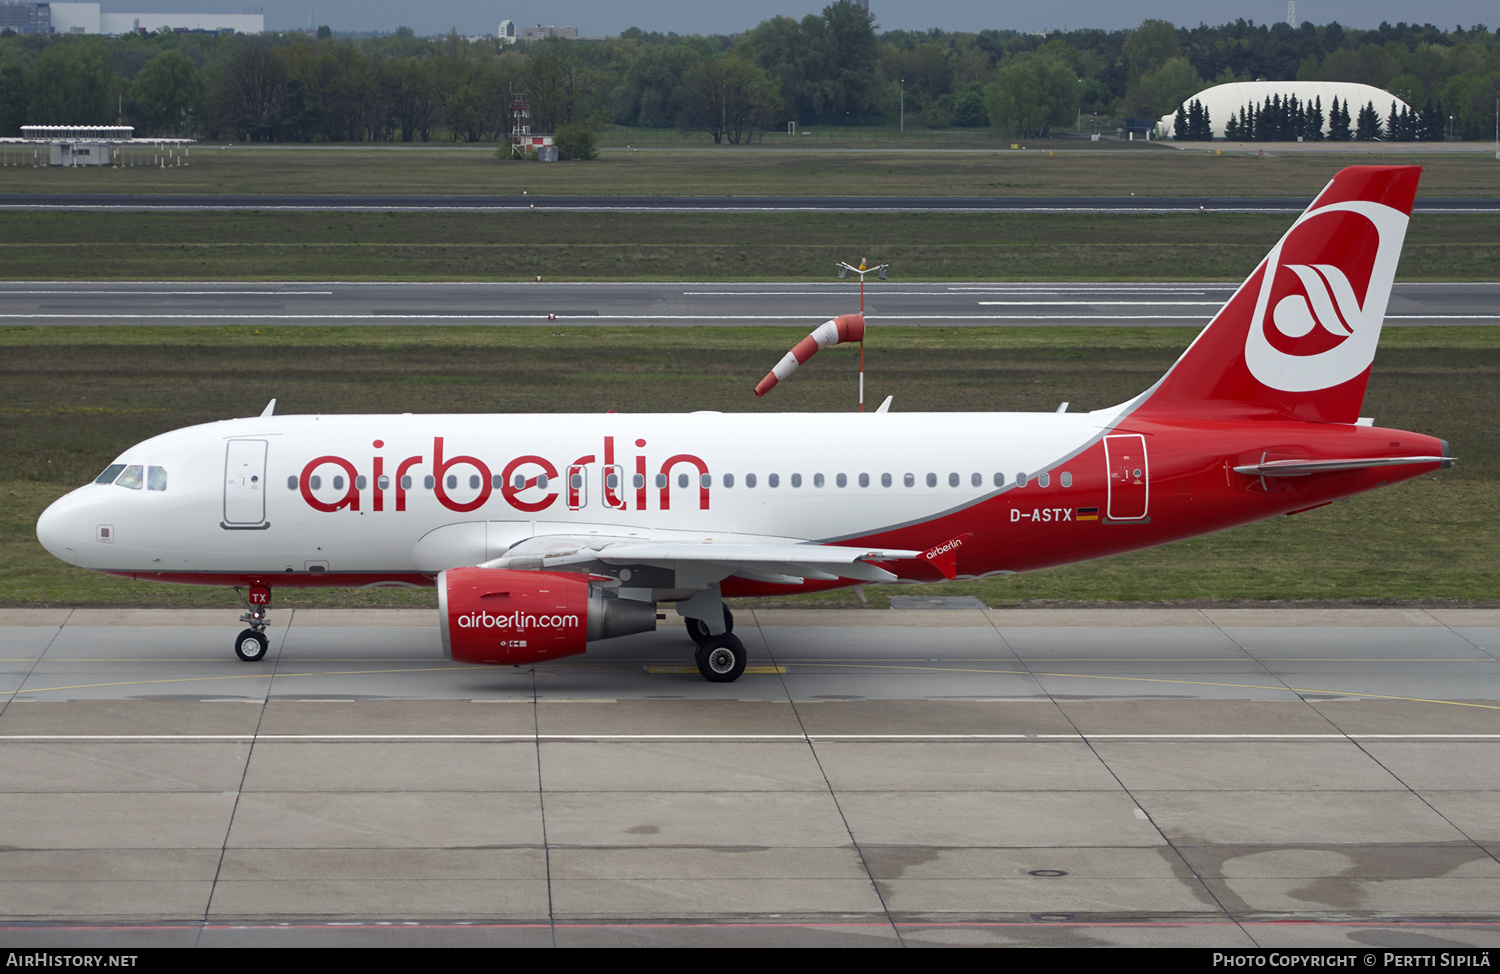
(1291, 14)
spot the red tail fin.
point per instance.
(1298, 337)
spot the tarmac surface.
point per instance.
(942, 774)
(559, 304)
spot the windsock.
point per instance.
(844, 328)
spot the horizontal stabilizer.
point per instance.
(1302, 468)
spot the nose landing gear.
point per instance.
(251, 644)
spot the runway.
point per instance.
(695, 204)
(916, 776)
(559, 304)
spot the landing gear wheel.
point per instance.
(698, 632)
(251, 646)
(721, 659)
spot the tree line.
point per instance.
(830, 68)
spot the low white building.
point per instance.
(1225, 100)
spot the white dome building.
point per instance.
(1222, 101)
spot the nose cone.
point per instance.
(57, 528)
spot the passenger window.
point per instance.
(452, 481)
(661, 480)
(796, 480)
(999, 480)
(729, 480)
(383, 483)
(1020, 480)
(910, 480)
(976, 480)
(638, 480)
(705, 480)
(864, 480)
(885, 480)
(338, 483)
(315, 482)
(359, 482)
(682, 480)
(932, 480)
(1043, 480)
(291, 483)
(406, 482)
(773, 480)
(110, 473)
(1066, 479)
(541, 481)
(749, 480)
(497, 481)
(428, 482)
(131, 477)
(474, 481)
(156, 478)
(840, 480)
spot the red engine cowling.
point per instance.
(500, 616)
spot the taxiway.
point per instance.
(558, 304)
(920, 776)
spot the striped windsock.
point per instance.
(844, 328)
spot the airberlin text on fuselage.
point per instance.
(527, 483)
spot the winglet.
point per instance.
(270, 409)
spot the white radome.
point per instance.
(1225, 100)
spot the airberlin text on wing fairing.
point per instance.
(527, 483)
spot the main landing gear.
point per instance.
(251, 644)
(720, 657)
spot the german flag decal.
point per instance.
(1087, 514)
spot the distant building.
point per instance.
(33, 17)
(508, 32)
(538, 32)
(26, 18)
(1223, 101)
(91, 145)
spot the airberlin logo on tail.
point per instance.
(1322, 298)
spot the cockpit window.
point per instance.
(156, 478)
(110, 473)
(131, 477)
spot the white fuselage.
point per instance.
(391, 494)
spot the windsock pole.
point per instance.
(844, 270)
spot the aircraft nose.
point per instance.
(57, 529)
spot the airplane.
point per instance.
(543, 533)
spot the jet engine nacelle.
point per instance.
(501, 616)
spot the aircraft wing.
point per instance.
(777, 561)
(1302, 468)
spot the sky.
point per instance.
(595, 18)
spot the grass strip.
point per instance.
(1046, 168)
(517, 246)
